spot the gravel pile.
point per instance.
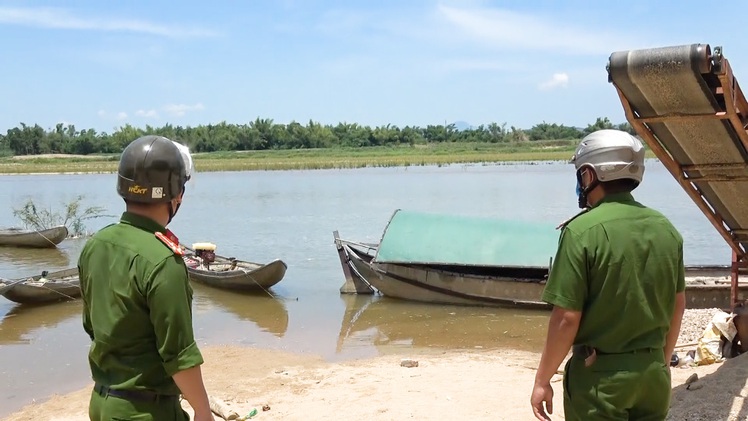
(694, 323)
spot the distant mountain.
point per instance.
(462, 125)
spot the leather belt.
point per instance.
(132, 395)
(584, 349)
(589, 354)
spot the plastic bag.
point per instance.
(709, 348)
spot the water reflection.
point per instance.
(22, 322)
(43, 258)
(265, 310)
(387, 323)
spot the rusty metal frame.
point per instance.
(736, 106)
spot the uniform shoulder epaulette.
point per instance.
(566, 222)
(174, 247)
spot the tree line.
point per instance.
(263, 134)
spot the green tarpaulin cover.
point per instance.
(427, 238)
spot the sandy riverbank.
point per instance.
(486, 385)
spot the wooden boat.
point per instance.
(46, 238)
(456, 282)
(452, 259)
(233, 274)
(448, 284)
(62, 285)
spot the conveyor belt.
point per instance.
(687, 106)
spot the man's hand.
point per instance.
(542, 393)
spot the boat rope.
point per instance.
(261, 287)
(39, 231)
(47, 238)
(58, 292)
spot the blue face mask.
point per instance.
(579, 189)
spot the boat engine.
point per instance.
(206, 252)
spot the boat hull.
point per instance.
(61, 286)
(48, 238)
(247, 276)
(706, 287)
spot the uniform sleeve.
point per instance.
(567, 282)
(86, 311)
(681, 284)
(169, 300)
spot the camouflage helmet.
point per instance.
(153, 169)
(612, 154)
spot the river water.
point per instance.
(260, 216)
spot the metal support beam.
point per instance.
(674, 117)
(715, 167)
(714, 178)
(735, 102)
(677, 172)
(738, 265)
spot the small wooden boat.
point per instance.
(46, 238)
(62, 285)
(421, 258)
(229, 273)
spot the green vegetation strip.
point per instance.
(305, 159)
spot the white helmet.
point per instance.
(612, 154)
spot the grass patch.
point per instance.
(298, 159)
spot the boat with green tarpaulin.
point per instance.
(457, 259)
(453, 259)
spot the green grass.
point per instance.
(386, 156)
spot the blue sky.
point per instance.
(102, 64)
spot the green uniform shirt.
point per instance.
(136, 307)
(621, 264)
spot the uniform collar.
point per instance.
(142, 222)
(615, 198)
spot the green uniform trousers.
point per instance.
(111, 408)
(618, 387)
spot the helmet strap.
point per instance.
(584, 191)
(173, 210)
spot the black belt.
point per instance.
(586, 350)
(132, 395)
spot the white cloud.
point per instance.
(116, 116)
(147, 113)
(504, 29)
(58, 18)
(558, 80)
(179, 110)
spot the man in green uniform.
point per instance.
(136, 295)
(617, 289)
